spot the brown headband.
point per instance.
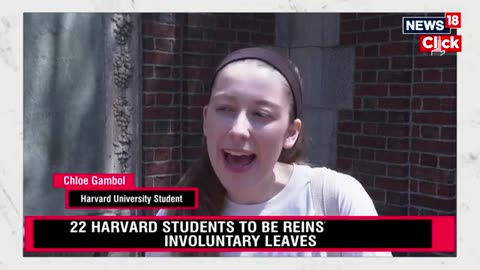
(274, 59)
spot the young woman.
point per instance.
(255, 147)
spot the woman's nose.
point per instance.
(240, 127)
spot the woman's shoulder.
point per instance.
(338, 193)
(329, 177)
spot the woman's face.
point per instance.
(246, 125)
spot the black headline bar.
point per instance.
(158, 233)
(131, 198)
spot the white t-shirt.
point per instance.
(296, 199)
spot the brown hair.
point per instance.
(211, 192)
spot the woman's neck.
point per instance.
(266, 189)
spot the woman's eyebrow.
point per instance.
(260, 102)
(267, 103)
(223, 96)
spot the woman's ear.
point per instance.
(292, 134)
(205, 108)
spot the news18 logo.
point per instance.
(435, 32)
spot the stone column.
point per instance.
(82, 104)
(312, 42)
(123, 90)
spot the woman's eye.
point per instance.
(224, 109)
(261, 114)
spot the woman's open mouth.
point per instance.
(238, 161)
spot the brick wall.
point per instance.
(399, 139)
(180, 52)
